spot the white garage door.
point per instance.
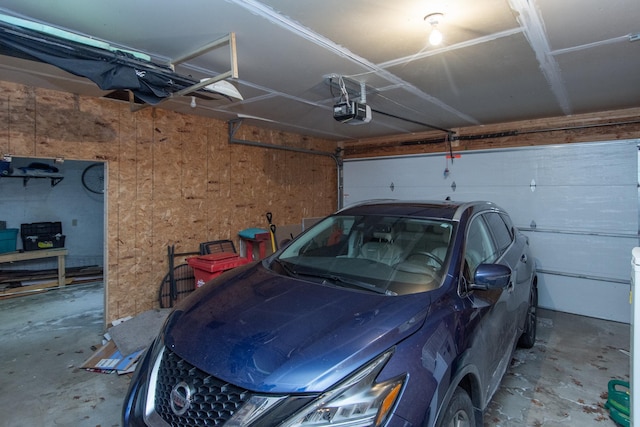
(577, 203)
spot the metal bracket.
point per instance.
(229, 39)
(234, 126)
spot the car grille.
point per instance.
(213, 401)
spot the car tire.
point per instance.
(528, 337)
(460, 412)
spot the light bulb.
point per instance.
(435, 38)
(193, 102)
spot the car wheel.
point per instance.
(528, 337)
(459, 413)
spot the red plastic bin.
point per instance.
(207, 267)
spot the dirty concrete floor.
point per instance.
(562, 380)
(45, 337)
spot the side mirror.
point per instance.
(491, 276)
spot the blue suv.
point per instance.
(387, 313)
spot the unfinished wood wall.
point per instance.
(172, 179)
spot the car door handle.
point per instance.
(524, 258)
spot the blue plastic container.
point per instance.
(8, 239)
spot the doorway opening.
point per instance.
(52, 204)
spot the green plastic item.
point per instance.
(618, 402)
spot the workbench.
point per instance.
(41, 253)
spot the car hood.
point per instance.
(271, 333)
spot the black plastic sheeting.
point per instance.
(149, 82)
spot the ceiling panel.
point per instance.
(604, 82)
(496, 80)
(571, 23)
(383, 30)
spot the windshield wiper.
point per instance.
(287, 269)
(335, 279)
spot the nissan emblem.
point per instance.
(180, 398)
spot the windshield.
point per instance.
(385, 254)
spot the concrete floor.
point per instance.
(45, 337)
(562, 380)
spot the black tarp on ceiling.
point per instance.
(149, 82)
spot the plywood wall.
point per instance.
(172, 179)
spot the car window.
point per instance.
(394, 254)
(480, 247)
(507, 220)
(500, 232)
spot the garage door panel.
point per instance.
(569, 294)
(584, 164)
(573, 208)
(407, 172)
(595, 208)
(358, 174)
(599, 208)
(363, 193)
(483, 170)
(607, 257)
(571, 165)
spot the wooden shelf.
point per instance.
(60, 253)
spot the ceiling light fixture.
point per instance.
(435, 38)
(193, 102)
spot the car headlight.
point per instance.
(356, 402)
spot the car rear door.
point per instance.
(514, 253)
